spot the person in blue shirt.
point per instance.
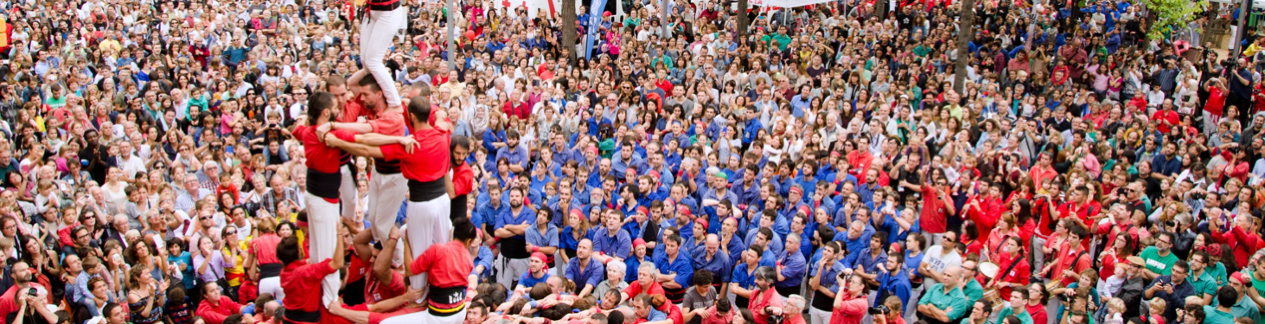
(730, 243)
(583, 270)
(515, 154)
(765, 236)
(824, 277)
(743, 278)
(893, 279)
(856, 238)
(536, 272)
(626, 159)
(712, 258)
(510, 229)
(637, 258)
(676, 271)
(790, 267)
(799, 228)
(543, 236)
(612, 241)
(869, 261)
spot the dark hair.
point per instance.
(703, 277)
(463, 229)
(1227, 296)
(458, 141)
(317, 104)
(370, 83)
(419, 108)
(288, 249)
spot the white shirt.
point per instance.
(936, 261)
(132, 166)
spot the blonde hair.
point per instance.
(1158, 305)
(1116, 304)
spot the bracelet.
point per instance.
(535, 249)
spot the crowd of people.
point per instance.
(328, 162)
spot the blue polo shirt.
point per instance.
(680, 265)
(507, 217)
(619, 246)
(718, 265)
(590, 274)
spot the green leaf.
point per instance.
(1171, 15)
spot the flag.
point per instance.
(595, 20)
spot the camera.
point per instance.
(32, 292)
(880, 310)
(775, 319)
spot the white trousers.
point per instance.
(387, 192)
(377, 35)
(347, 194)
(428, 224)
(817, 316)
(323, 221)
(272, 286)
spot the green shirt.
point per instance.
(782, 40)
(953, 302)
(1024, 318)
(973, 292)
(1218, 273)
(1162, 265)
(1246, 308)
(1204, 284)
(1215, 316)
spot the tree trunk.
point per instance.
(1245, 10)
(881, 7)
(568, 29)
(743, 20)
(966, 29)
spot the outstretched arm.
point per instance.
(354, 148)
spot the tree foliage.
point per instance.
(1172, 14)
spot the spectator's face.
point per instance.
(640, 309)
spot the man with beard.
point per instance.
(25, 294)
(764, 299)
(509, 230)
(322, 195)
(1134, 286)
(387, 185)
(424, 158)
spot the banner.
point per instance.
(595, 21)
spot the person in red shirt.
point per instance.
(261, 258)
(424, 158)
(299, 275)
(385, 293)
(1166, 117)
(1215, 106)
(448, 266)
(1072, 258)
(765, 301)
(324, 181)
(352, 110)
(387, 185)
(1241, 237)
(935, 211)
(985, 209)
(851, 303)
(462, 176)
(215, 307)
(1012, 257)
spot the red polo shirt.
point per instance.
(304, 280)
(428, 162)
(264, 248)
(216, 313)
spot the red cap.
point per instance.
(1242, 279)
(606, 14)
(577, 212)
(703, 221)
(538, 255)
(638, 242)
